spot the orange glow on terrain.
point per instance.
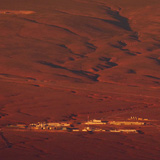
(80, 62)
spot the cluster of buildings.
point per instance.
(137, 118)
(89, 126)
(89, 129)
(49, 126)
(68, 127)
(125, 123)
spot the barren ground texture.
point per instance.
(60, 58)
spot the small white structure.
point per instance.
(86, 129)
(75, 130)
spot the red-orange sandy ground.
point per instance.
(84, 57)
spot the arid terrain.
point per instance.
(65, 60)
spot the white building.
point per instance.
(58, 124)
(95, 122)
(124, 130)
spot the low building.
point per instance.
(36, 127)
(22, 126)
(58, 124)
(84, 130)
(64, 128)
(95, 122)
(124, 130)
(75, 130)
(99, 130)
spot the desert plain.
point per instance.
(65, 60)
